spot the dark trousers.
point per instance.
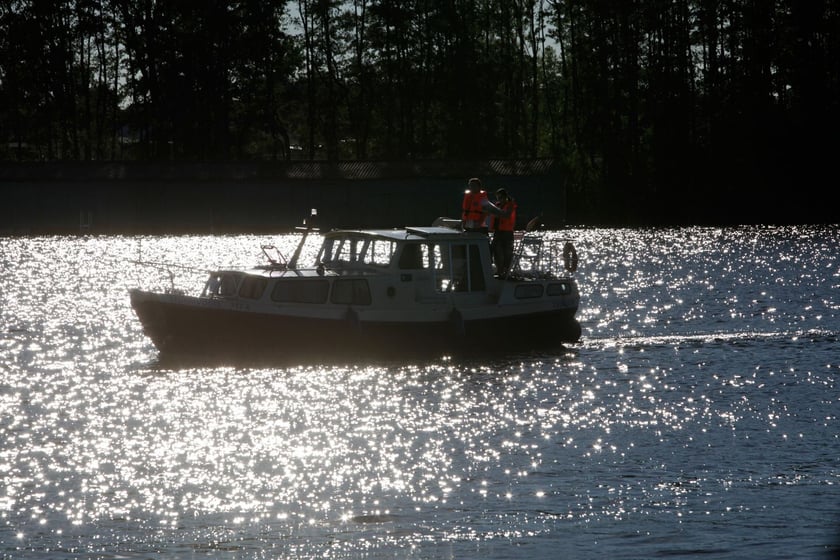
(502, 249)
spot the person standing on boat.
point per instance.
(502, 226)
(476, 207)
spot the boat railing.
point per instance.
(165, 278)
(537, 256)
(276, 259)
(222, 284)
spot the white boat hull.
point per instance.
(373, 292)
(190, 326)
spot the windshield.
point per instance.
(344, 251)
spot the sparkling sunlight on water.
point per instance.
(698, 416)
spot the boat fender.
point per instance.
(352, 318)
(570, 257)
(457, 321)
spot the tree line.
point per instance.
(639, 100)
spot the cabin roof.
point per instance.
(409, 233)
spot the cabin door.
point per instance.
(459, 268)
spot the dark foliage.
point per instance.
(658, 109)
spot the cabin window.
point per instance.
(380, 252)
(527, 291)
(443, 267)
(414, 256)
(458, 268)
(301, 291)
(347, 251)
(222, 285)
(355, 251)
(351, 291)
(228, 285)
(252, 287)
(460, 279)
(476, 270)
(558, 289)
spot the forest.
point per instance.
(654, 107)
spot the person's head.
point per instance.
(502, 195)
(475, 184)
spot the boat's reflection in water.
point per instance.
(495, 354)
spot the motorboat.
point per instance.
(422, 290)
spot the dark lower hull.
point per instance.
(215, 334)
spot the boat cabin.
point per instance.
(375, 287)
(457, 262)
(398, 269)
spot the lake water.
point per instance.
(697, 418)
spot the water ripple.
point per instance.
(698, 417)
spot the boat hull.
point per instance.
(185, 326)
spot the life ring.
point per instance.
(570, 257)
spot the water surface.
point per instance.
(698, 417)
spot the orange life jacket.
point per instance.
(505, 223)
(472, 211)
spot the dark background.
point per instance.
(650, 112)
(130, 198)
